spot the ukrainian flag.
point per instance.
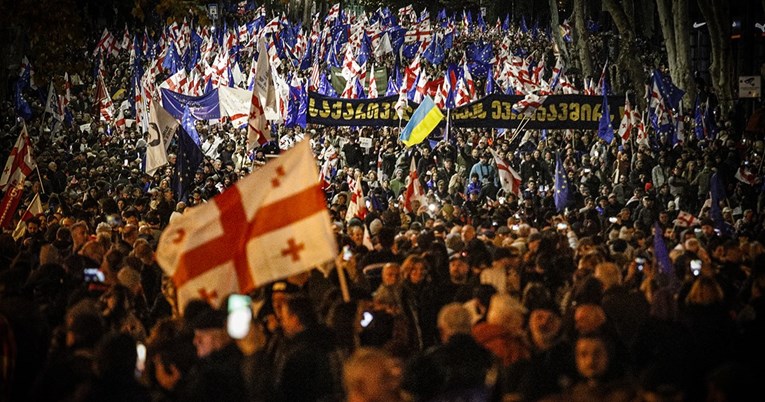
(423, 121)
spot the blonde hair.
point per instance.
(705, 291)
(608, 274)
(505, 311)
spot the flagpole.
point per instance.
(39, 177)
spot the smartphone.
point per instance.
(366, 319)
(347, 253)
(640, 263)
(140, 362)
(696, 267)
(562, 226)
(239, 316)
(612, 219)
(94, 275)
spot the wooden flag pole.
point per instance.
(343, 283)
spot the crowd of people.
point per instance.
(469, 293)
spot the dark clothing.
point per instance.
(628, 310)
(218, 377)
(546, 373)
(450, 372)
(310, 368)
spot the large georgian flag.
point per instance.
(272, 224)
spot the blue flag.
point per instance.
(524, 28)
(481, 22)
(669, 92)
(325, 88)
(561, 185)
(23, 109)
(394, 82)
(435, 51)
(188, 159)
(441, 15)
(605, 130)
(660, 253)
(172, 62)
(506, 23)
(698, 118)
(189, 124)
(717, 193)
(489, 83)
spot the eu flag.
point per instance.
(717, 193)
(188, 160)
(605, 130)
(661, 255)
(561, 185)
(435, 51)
(189, 124)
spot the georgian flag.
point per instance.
(508, 177)
(625, 127)
(529, 104)
(270, 225)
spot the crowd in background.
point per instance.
(471, 293)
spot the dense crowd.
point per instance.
(470, 293)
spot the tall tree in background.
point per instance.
(581, 39)
(717, 15)
(627, 59)
(555, 24)
(675, 27)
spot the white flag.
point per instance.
(162, 126)
(270, 225)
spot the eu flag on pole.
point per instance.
(699, 120)
(423, 121)
(717, 193)
(188, 160)
(22, 106)
(189, 124)
(435, 51)
(605, 130)
(561, 185)
(660, 253)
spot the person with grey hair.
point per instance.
(458, 369)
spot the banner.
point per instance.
(557, 112)
(376, 112)
(494, 111)
(205, 107)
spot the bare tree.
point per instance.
(717, 15)
(627, 50)
(675, 27)
(581, 39)
(555, 24)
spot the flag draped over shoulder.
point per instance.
(272, 224)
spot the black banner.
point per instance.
(557, 112)
(377, 112)
(494, 111)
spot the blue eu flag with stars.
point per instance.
(561, 185)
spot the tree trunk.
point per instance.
(647, 23)
(307, 5)
(716, 14)
(629, 9)
(664, 7)
(683, 76)
(627, 52)
(555, 26)
(581, 39)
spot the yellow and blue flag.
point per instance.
(423, 121)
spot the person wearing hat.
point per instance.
(218, 376)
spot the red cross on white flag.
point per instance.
(272, 224)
